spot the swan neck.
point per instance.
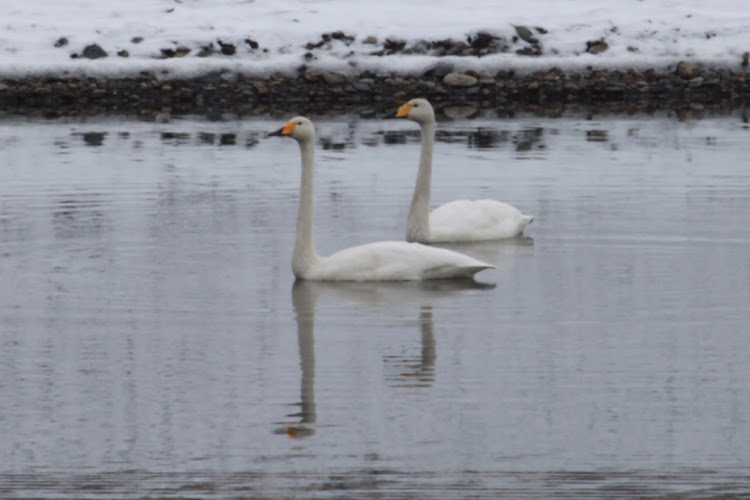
(418, 225)
(305, 254)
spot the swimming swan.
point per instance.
(460, 220)
(386, 260)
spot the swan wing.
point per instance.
(396, 260)
(464, 220)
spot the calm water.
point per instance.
(154, 343)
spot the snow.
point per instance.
(640, 33)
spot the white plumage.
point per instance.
(461, 220)
(381, 261)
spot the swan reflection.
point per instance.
(411, 371)
(499, 253)
(415, 371)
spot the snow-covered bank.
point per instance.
(187, 38)
(248, 56)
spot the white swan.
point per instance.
(387, 260)
(460, 220)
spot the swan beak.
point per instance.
(403, 111)
(287, 129)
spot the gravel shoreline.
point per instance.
(685, 87)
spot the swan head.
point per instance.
(418, 110)
(298, 128)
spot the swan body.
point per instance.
(381, 261)
(461, 220)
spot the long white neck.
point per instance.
(304, 246)
(418, 224)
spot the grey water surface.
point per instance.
(154, 343)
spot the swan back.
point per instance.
(393, 261)
(473, 220)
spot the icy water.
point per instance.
(155, 345)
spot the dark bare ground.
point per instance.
(550, 92)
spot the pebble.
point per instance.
(94, 51)
(459, 80)
(456, 93)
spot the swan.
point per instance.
(381, 261)
(460, 220)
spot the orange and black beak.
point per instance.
(287, 129)
(403, 111)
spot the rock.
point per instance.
(136, 39)
(340, 35)
(482, 40)
(529, 51)
(687, 71)
(442, 68)
(206, 50)
(745, 59)
(333, 78)
(61, 42)
(392, 46)
(596, 46)
(123, 53)
(252, 43)
(457, 49)
(178, 52)
(459, 80)
(227, 49)
(525, 34)
(370, 40)
(361, 86)
(94, 51)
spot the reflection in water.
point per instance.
(78, 215)
(391, 137)
(248, 140)
(484, 138)
(206, 138)
(409, 371)
(481, 137)
(304, 298)
(228, 139)
(93, 138)
(175, 138)
(597, 135)
(499, 253)
(528, 139)
(416, 371)
(525, 139)
(144, 283)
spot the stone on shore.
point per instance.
(460, 80)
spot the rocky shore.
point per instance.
(684, 86)
(553, 91)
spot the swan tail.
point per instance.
(446, 272)
(525, 221)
